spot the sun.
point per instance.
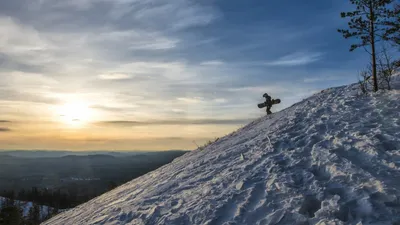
(75, 114)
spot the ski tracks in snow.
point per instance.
(309, 155)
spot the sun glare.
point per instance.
(75, 114)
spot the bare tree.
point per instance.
(386, 68)
(364, 80)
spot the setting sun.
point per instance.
(75, 113)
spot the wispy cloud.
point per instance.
(179, 14)
(114, 76)
(178, 122)
(124, 108)
(5, 129)
(72, 51)
(261, 89)
(5, 121)
(220, 100)
(321, 78)
(212, 63)
(194, 100)
(136, 39)
(296, 59)
(26, 96)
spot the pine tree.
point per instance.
(368, 23)
(34, 214)
(393, 33)
(50, 213)
(9, 198)
(11, 215)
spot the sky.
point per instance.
(159, 75)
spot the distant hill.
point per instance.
(56, 153)
(82, 177)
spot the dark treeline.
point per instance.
(32, 180)
(11, 208)
(11, 213)
(54, 198)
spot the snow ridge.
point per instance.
(332, 158)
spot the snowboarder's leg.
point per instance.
(269, 110)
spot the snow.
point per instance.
(332, 158)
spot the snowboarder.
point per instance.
(268, 103)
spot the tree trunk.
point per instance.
(372, 39)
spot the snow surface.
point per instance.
(332, 158)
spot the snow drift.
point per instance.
(333, 158)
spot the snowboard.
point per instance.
(261, 105)
(264, 104)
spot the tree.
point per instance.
(368, 23)
(34, 214)
(11, 215)
(393, 32)
(364, 80)
(386, 68)
(50, 213)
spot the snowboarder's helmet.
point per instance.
(265, 95)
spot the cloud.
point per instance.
(69, 52)
(178, 14)
(178, 112)
(25, 96)
(14, 42)
(5, 121)
(194, 100)
(136, 39)
(212, 63)
(172, 138)
(178, 122)
(136, 48)
(296, 59)
(125, 139)
(220, 100)
(321, 78)
(151, 59)
(261, 89)
(26, 80)
(114, 109)
(5, 129)
(114, 76)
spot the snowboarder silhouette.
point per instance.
(268, 103)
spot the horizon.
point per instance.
(152, 75)
(81, 151)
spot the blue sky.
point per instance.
(153, 62)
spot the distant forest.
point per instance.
(65, 182)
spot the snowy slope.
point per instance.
(333, 157)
